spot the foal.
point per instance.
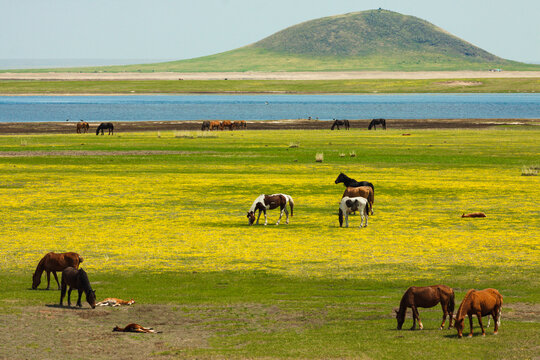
(271, 202)
(480, 303)
(134, 328)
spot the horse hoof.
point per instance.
(470, 335)
(495, 333)
(484, 334)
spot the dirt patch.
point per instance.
(95, 153)
(521, 312)
(460, 83)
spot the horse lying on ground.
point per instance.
(53, 262)
(474, 215)
(134, 328)
(205, 125)
(363, 191)
(105, 126)
(480, 303)
(425, 297)
(373, 124)
(349, 205)
(114, 302)
(337, 123)
(77, 279)
(271, 202)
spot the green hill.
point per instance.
(367, 40)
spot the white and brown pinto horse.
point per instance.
(264, 202)
(349, 205)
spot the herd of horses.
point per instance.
(222, 125)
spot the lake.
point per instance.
(267, 107)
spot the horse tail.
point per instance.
(340, 217)
(291, 203)
(451, 303)
(368, 208)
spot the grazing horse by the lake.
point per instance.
(474, 215)
(105, 126)
(205, 125)
(82, 126)
(77, 279)
(362, 191)
(214, 125)
(426, 297)
(134, 328)
(226, 124)
(337, 123)
(53, 262)
(240, 124)
(349, 205)
(480, 303)
(264, 202)
(373, 124)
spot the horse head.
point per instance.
(36, 280)
(400, 317)
(91, 298)
(458, 325)
(251, 217)
(339, 178)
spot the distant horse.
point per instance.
(264, 202)
(349, 205)
(134, 328)
(214, 125)
(362, 191)
(105, 126)
(349, 182)
(82, 126)
(373, 124)
(205, 125)
(77, 279)
(339, 123)
(239, 124)
(426, 297)
(480, 303)
(226, 124)
(53, 262)
(474, 215)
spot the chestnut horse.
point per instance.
(77, 279)
(82, 126)
(214, 125)
(263, 202)
(225, 124)
(425, 297)
(480, 303)
(240, 124)
(53, 262)
(363, 191)
(134, 328)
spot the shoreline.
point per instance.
(21, 128)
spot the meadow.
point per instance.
(162, 219)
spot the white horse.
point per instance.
(264, 202)
(349, 205)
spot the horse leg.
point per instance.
(470, 325)
(445, 313)
(346, 218)
(258, 217)
(56, 278)
(79, 299)
(286, 214)
(63, 293)
(479, 316)
(48, 279)
(69, 296)
(417, 315)
(496, 319)
(265, 218)
(280, 216)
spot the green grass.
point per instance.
(518, 85)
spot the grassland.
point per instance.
(496, 85)
(170, 231)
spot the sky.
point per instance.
(183, 29)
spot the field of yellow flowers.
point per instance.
(178, 203)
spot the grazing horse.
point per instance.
(134, 328)
(239, 124)
(77, 279)
(115, 302)
(105, 126)
(225, 124)
(426, 297)
(362, 191)
(349, 205)
(474, 215)
(53, 262)
(480, 303)
(214, 125)
(271, 202)
(373, 124)
(205, 125)
(82, 126)
(337, 123)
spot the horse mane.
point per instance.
(41, 265)
(257, 200)
(85, 282)
(465, 301)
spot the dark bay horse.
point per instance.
(425, 297)
(205, 125)
(373, 124)
(480, 303)
(105, 126)
(77, 279)
(337, 123)
(349, 182)
(264, 202)
(53, 262)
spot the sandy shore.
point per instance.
(339, 75)
(140, 126)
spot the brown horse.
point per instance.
(214, 125)
(362, 191)
(263, 202)
(480, 303)
(425, 297)
(239, 124)
(77, 279)
(82, 126)
(474, 215)
(134, 328)
(53, 262)
(226, 124)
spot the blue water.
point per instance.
(267, 107)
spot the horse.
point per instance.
(426, 297)
(214, 125)
(134, 328)
(339, 123)
(239, 124)
(205, 125)
(77, 279)
(105, 126)
(349, 182)
(263, 202)
(225, 124)
(115, 302)
(53, 262)
(82, 126)
(474, 215)
(349, 205)
(480, 303)
(362, 191)
(373, 124)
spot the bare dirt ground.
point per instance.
(298, 124)
(250, 75)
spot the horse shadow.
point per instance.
(58, 306)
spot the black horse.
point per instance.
(373, 124)
(205, 125)
(77, 279)
(339, 123)
(348, 182)
(105, 126)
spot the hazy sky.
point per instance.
(181, 29)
